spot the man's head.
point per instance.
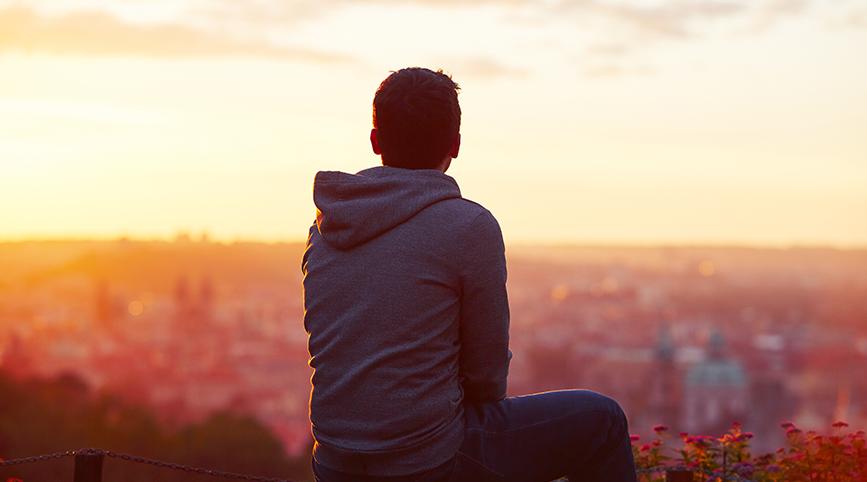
(416, 119)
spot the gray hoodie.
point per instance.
(407, 314)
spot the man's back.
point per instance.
(406, 308)
(407, 312)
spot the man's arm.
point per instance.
(484, 324)
(307, 249)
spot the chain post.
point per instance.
(88, 466)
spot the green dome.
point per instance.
(717, 372)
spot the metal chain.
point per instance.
(232, 475)
(188, 468)
(36, 458)
(140, 460)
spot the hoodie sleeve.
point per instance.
(484, 324)
(307, 249)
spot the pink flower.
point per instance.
(840, 424)
(634, 438)
(660, 428)
(787, 425)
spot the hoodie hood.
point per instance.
(354, 208)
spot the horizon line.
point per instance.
(205, 237)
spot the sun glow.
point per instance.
(158, 120)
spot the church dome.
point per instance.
(717, 372)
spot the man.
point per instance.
(407, 313)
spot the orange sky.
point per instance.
(681, 121)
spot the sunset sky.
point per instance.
(589, 121)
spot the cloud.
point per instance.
(671, 19)
(256, 14)
(774, 10)
(96, 33)
(612, 49)
(280, 13)
(481, 67)
(663, 17)
(857, 19)
(643, 24)
(631, 28)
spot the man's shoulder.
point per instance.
(466, 219)
(461, 209)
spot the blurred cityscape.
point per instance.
(694, 338)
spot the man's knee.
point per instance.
(603, 404)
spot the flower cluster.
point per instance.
(809, 456)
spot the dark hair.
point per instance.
(417, 117)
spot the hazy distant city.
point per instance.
(693, 338)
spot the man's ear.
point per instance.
(456, 147)
(374, 143)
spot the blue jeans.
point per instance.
(578, 434)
